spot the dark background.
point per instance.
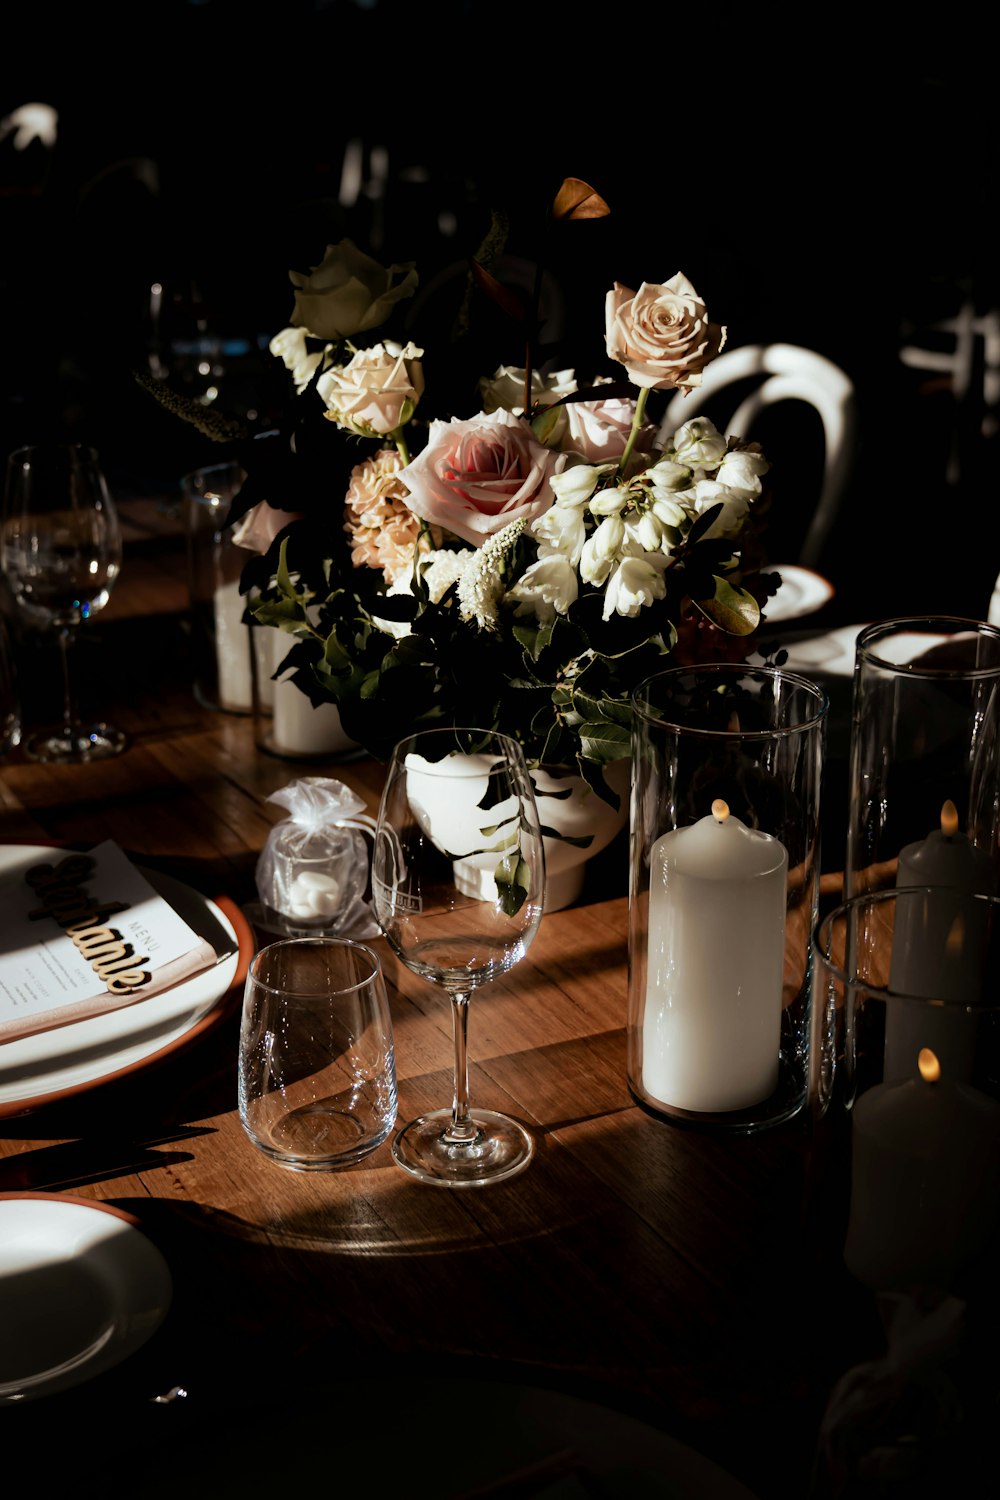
(830, 186)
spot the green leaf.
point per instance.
(603, 741)
(512, 877)
(732, 610)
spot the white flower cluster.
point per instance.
(622, 536)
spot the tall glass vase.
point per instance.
(724, 888)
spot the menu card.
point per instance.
(81, 934)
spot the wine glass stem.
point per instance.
(70, 715)
(463, 1129)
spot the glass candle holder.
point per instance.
(918, 1080)
(230, 673)
(724, 886)
(924, 782)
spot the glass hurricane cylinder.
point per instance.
(919, 1083)
(925, 738)
(724, 886)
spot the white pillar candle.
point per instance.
(716, 951)
(924, 1179)
(938, 949)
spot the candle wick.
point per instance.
(720, 809)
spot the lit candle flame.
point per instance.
(720, 809)
(927, 1063)
(949, 819)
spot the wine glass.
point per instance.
(61, 550)
(458, 880)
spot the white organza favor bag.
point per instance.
(313, 871)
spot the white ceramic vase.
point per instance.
(445, 796)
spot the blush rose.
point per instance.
(661, 334)
(476, 476)
(599, 430)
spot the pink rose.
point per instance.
(661, 334)
(258, 528)
(598, 430)
(476, 476)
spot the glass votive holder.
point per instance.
(724, 887)
(912, 978)
(924, 780)
(229, 672)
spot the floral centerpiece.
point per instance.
(519, 566)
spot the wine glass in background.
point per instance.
(61, 550)
(458, 880)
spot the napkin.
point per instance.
(82, 934)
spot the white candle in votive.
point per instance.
(232, 648)
(938, 949)
(924, 1179)
(716, 952)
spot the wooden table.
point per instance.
(688, 1280)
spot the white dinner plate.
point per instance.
(802, 592)
(81, 1287)
(37, 1069)
(833, 652)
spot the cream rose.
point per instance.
(661, 333)
(504, 390)
(476, 476)
(376, 391)
(348, 292)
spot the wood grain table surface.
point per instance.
(688, 1281)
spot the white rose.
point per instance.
(504, 389)
(376, 392)
(348, 292)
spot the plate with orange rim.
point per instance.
(802, 593)
(66, 1060)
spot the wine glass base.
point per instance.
(501, 1148)
(86, 742)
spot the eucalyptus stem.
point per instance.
(637, 420)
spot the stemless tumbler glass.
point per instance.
(726, 764)
(317, 1074)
